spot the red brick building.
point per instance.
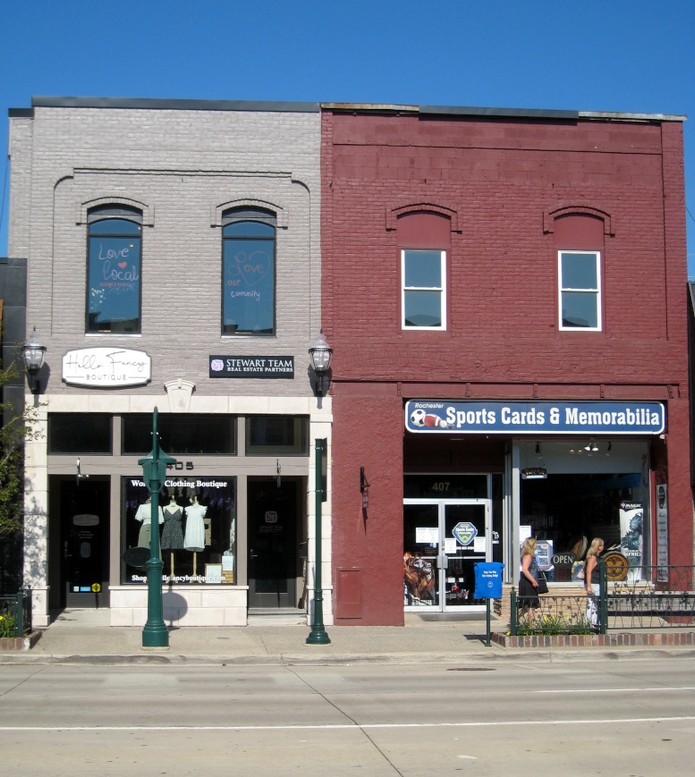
(505, 294)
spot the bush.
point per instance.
(8, 625)
(552, 624)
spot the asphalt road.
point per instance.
(633, 717)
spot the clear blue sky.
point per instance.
(633, 56)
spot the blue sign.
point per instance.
(488, 580)
(528, 417)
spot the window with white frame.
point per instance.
(579, 274)
(423, 302)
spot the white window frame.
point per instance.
(440, 289)
(595, 292)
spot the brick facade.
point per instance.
(502, 182)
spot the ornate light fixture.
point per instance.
(321, 353)
(34, 353)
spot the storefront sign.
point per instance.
(106, 367)
(534, 473)
(252, 366)
(465, 532)
(495, 417)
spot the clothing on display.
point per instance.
(195, 527)
(172, 533)
(144, 515)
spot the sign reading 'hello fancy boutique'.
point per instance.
(106, 367)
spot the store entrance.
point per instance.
(442, 541)
(79, 544)
(273, 510)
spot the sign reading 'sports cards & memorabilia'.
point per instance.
(495, 417)
(252, 366)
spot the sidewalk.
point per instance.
(86, 636)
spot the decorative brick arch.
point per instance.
(393, 215)
(146, 210)
(281, 214)
(550, 216)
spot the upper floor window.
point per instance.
(248, 272)
(114, 269)
(423, 293)
(579, 274)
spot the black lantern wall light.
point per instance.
(34, 353)
(321, 353)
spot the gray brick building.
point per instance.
(173, 262)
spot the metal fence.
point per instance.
(15, 614)
(645, 597)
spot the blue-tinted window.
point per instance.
(580, 290)
(248, 272)
(423, 292)
(114, 270)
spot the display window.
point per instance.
(197, 524)
(565, 512)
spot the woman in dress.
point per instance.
(592, 582)
(528, 581)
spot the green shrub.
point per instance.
(551, 625)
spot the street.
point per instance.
(630, 716)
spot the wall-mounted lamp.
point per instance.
(34, 353)
(591, 446)
(321, 353)
(364, 489)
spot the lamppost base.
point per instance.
(318, 636)
(155, 636)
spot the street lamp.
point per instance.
(321, 353)
(34, 353)
(318, 635)
(154, 469)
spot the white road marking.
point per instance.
(613, 690)
(346, 726)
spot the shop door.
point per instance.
(272, 541)
(443, 540)
(80, 524)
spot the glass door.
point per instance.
(442, 541)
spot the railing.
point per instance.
(647, 597)
(15, 614)
(652, 597)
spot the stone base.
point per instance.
(642, 639)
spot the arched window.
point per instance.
(114, 270)
(579, 241)
(424, 241)
(248, 272)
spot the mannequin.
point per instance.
(172, 533)
(195, 529)
(144, 515)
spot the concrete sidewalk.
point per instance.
(86, 636)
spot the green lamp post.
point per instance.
(318, 635)
(154, 467)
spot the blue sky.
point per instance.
(633, 56)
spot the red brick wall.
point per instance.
(499, 181)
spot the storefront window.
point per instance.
(79, 433)
(197, 524)
(178, 434)
(277, 434)
(446, 486)
(565, 512)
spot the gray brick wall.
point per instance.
(183, 165)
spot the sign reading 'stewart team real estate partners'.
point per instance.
(498, 417)
(252, 366)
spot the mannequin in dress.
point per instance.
(172, 533)
(195, 529)
(144, 515)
